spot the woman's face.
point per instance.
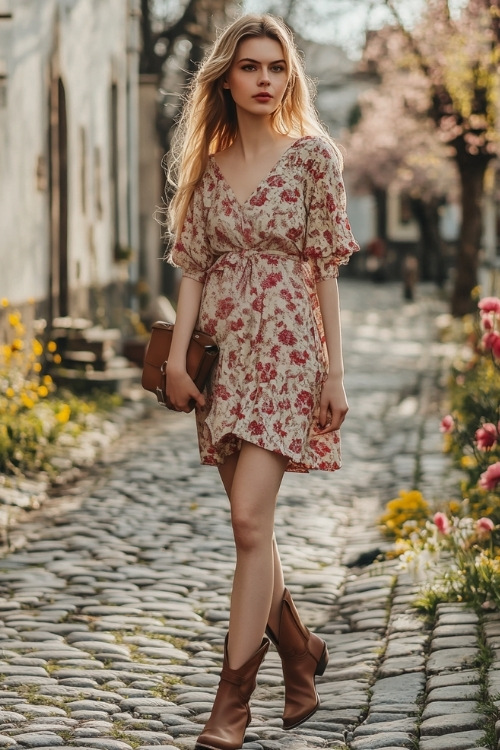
(258, 76)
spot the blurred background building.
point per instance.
(69, 111)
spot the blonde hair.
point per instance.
(208, 121)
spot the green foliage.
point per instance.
(36, 418)
(474, 391)
(456, 555)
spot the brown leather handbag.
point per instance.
(201, 355)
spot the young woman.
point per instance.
(259, 229)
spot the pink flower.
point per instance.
(486, 436)
(491, 477)
(447, 424)
(487, 321)
(442, 523)
(489, 304)
(496, 346)
(491, 342)
(484, 527)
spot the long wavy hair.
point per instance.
(208, 121)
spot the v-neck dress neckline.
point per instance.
(273, 169)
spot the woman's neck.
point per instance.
(255, 136)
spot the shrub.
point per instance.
(459, 551)
(34, 414)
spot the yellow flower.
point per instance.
(454, 506)
(37, 348)
(10, 393)
(42, 391)
(405, 514)
(468, 462)
(57, 359)
(4, 302)
(27, 402)
(52, 346)
(64, 414)
(37, 367)
(17, 345)
(14, 319)
(47, 380)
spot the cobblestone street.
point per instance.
(114, 602)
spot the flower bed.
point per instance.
(454, 551)
(37, 419)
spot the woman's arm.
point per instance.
(333, 404)
(180, 387)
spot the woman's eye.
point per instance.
(277, 68)
(248, 67)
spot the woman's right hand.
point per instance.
(181, 390)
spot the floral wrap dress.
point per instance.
(259, 263)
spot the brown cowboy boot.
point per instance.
(225, 729)
(303, 655)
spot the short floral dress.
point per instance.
(259, 263)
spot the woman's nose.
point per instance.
(264, 77)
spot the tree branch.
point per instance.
(409, 38)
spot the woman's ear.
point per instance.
(225, 85)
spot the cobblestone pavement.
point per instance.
(114, 605)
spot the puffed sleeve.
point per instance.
(329, 242)
(191, 251)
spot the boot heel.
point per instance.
(323, 661)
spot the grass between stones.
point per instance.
(119, 732)
(164, 690)
(176, 642)
(31, 694)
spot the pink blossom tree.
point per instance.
(394, 144)
(452, 64)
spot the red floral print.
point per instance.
(299, 358)
(256, 428)
(225, 307)
(237, 325)
(287, 338)
(259, 199)
(272, 280)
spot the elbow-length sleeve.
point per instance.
(329, 242)
(191, 251)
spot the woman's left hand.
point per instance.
(333, 405)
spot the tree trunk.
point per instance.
(426, 213)
(471, 169)
(381, 212)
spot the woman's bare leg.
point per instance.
(252, 480)
(278, 589)
(226, 471)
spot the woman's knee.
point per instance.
(250, 531)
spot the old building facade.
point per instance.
(69, 107)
